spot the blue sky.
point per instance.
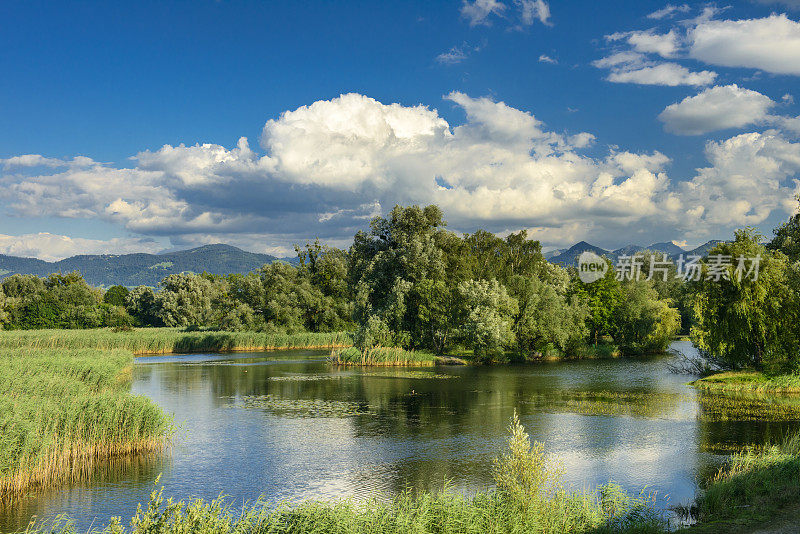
(620, 122)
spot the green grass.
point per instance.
(63, 410)
(169, 340)
(753, 381)
(755, 487)
(382, 356)
(529, 497)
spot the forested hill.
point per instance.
(141, 269)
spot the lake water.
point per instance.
(290, 426)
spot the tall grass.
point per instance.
(755, 485)
(530, 497)
(382, 356)
(169, 340)
(61, 411)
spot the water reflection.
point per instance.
(290, 426)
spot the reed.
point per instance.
(382, 357)
(63, 410)
(143, 341)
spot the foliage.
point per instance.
(602, 298)
(488, 313)
(747, 322)
(116, 295)
(644, 323)
(787, 237)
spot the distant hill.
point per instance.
(569, 256)
(142, 269)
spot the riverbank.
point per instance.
(150, 341)
(63, 410)
(756, 487)
(749, 381)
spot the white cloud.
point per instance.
(533, 10)
(716, 108)
(328, 167)
(771, 44)
(664, 44)
(668, 11)
(750, 176)
(452, 56)
(669, 74)
(547, 59)
(478, 11)
(51, 247)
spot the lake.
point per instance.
(290, 426)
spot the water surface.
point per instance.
(290, 426)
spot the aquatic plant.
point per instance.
(62, 411)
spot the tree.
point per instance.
(393, 270)
(488, 313)
(787, 237)
(747, 322)
(116, 295)
(187, 299)
(141, 304)
(643, 322)
(547, 318)
(602, 297)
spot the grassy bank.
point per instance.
(63, 410)
(750, 381)
(382, 357)
(529, 497)
(168, 340)
(756, 487)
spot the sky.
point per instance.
(152, 126)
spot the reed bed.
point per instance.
(143, 341)
(382, 357)
(63, 410)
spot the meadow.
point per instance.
(750, 381)
(63, 410)
(143, 341)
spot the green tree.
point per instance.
(602, 297)
(488, 315)
(643, 322)
(747, 322)
(787, 237)
(547, 318)
(187, 299)
(142, 305)
(116, 295)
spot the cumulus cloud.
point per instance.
(544, 58)
(664, 44)
(52, 247)
(771, 44)
(326, 168)
(452, 56)
(669, 74)
(532, 10)
(716, 108)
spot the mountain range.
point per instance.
(142, 269)
(569, 256)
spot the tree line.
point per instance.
(407, 281)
